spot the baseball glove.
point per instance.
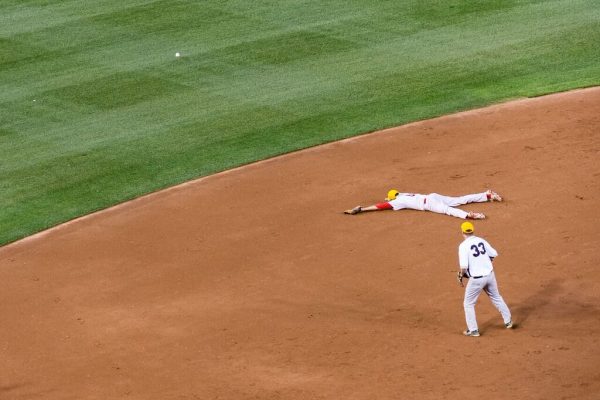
(353, 211)
(459, 278)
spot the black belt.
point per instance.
(477, 277)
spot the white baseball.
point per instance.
(177, 54)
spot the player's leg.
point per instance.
(436, 206)
(491, 289)
(472, 292)
(458, 213)
(460, 200)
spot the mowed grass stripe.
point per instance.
(116, 115)
(21, 16)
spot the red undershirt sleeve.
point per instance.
(384, 206)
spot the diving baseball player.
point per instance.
(475, 256)
(431, 202)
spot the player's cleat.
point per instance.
(355, 210)
(474, 215)
(474, 333)
(509, 325)
(493, 196)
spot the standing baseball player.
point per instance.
(431, 202)
(475, 256)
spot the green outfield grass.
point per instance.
(95, 109)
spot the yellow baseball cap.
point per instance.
(467, 227)
(392, 194)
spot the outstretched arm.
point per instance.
(374, 207)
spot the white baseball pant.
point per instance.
(445, 204)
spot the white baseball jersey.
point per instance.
(474, 255)
(408, 200)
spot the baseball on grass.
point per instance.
(177, 54)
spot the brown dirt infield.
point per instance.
(252, 284)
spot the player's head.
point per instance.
(392, 194)
(467, 228)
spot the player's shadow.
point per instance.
(525, 308)
(542, 297)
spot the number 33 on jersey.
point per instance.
(475, 254)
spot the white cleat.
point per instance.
(474, 215)
(493, 196)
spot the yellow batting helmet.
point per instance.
(392, 194)
(467, 227)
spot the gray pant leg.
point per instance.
(492, 291)
(472, 292)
